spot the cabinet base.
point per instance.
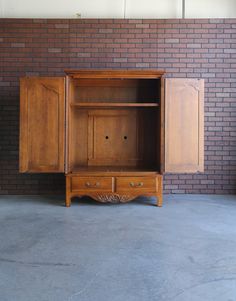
(112, 197)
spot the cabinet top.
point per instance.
(108, 73)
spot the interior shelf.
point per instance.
(114, 104)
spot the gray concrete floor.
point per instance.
(184, 251)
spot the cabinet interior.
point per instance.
(114, 124)
(114, 90)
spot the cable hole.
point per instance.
(106, 137)
(125, 137)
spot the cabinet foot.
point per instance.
(68, 192)
(68, 202)
(159, 200)
(159, 194)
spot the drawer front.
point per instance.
(91, 184)
(135, 184)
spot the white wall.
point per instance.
(63, 8)
(153, 8)
(1, 8)
(116, 8)
(211, 8)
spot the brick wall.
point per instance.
(200, 48)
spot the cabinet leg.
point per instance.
(159, 200)
(68, 189)
(159, 194)
(68, 201)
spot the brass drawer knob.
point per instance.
(132, 184)
(88, 184)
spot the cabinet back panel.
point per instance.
(116, 90)
(113, 137)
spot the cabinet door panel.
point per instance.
(42, 120)
(184, 125)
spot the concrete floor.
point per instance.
(184, 251)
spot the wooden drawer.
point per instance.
(136, 184)
(91, 184)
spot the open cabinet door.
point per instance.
(184, 125)
(42, 124)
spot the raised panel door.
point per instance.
(184, 125)
(42, 122)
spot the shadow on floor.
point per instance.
(59, 200)
(91, 202)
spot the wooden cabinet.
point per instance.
(114, 134)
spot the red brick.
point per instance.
(139, 25)
(18, 45)
(185, 48)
